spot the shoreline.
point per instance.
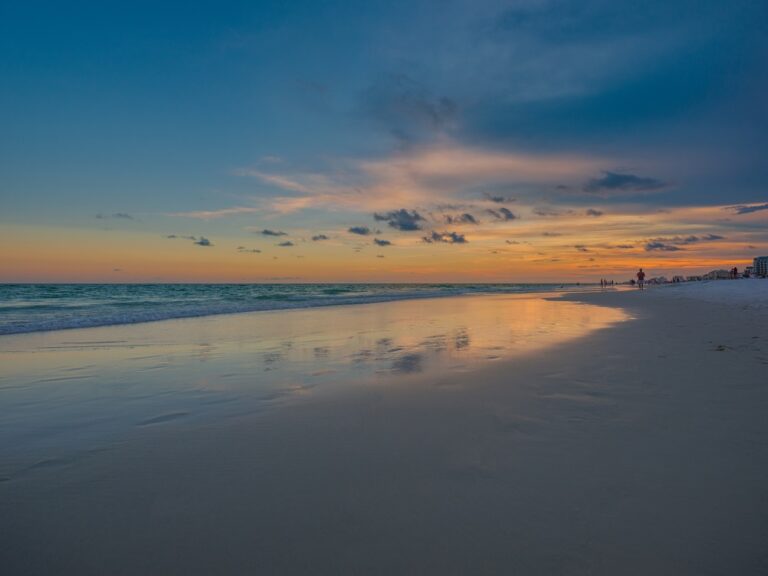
(141, 315)
(638, 449)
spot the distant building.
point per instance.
(693, 278)
(717, 275)
(760, 266)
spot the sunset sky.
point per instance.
(381, 141)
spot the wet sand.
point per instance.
(629, 442)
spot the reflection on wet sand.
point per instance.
(71, 387)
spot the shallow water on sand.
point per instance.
(76, 390)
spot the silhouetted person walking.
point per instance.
(640, 278)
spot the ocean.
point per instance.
(43, 307)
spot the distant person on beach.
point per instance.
(640, 278)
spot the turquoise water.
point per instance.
(43, 307)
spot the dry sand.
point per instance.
(638, 449)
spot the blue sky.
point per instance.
(161, 110)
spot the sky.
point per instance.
(323, 141)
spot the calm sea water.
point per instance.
(42, 307)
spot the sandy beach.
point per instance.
(615, 432)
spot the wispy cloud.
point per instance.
(268, 232)
(114, 216)
(431, 175)
(748, 208)
(220, 213)
(406, 108)
(285, 244)
(684, 240)
(280, 181)
(245, 250)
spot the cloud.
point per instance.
(502, 213)
(407, 109)
(593, 212)
(381, 242)
(268, 232)
(748, 208)
(615, 182)
(319, 237)
(545, 212)
(552, 234)
(285, 244)
(653, 246)
(581, 248)
(684, 240)
(360, 230)
(212, 214)
(512, 242)
(498, 199)
(202, 241)
(446, 237)
(245, 250)
(404, 220)
(426, 176)
(465, 218)
(115, 216)
(277, 180)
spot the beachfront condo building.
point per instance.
(760, 266)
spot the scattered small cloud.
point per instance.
(404, 220)
(661, 246)
(285, 244)
(615, 182)
(512, 242)
(545, 212)
(381, 242)
(465, 218)
(201, 241)
(593, 212)
(446, 237)
(498, 199)
(551, 234)
(581, 248)
(268, 232)
(360, 230)
(502, 213)
(244, 250)
(319, 237)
